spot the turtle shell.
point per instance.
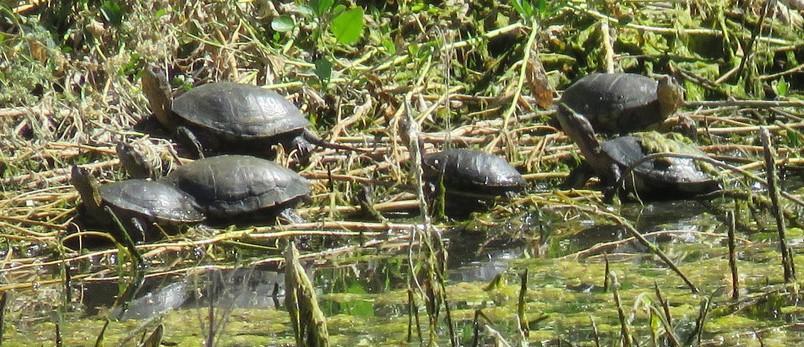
(156, 201)
(472, 171)
(239, 110)
(660, 177)
(615, 102)
(231, 185)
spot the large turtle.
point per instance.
(620, 103)
(137, 203)
(229, 117)
(238, 187)
(656, 179)
(471, 179)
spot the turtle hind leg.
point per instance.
(188, 139)
(291, 216)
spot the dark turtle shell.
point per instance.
(239, 111)
(615, 103)
(662, 177)
(155, 201)
(231, 185)
(472, 171)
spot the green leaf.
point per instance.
(306, 10)
(160, 12)
(793, 138)
(781, 87)
(338, 9)
(112, 12)
(323, 69)
(389, 45)
(348, 26)
(321, 6)
(523, 7)
(282, 24)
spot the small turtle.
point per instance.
(230, 117)
(231, 187)
(137, 203)
(471, 173)
(656, 179)
(136, 163)
(620, 103)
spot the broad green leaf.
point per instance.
(112, 12)
(306, 10)
(338, 9)
(282, 24)
(781, 87)
(321, 6)
(348, 26)
(323, 69)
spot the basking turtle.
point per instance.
(137, 203)
(656, 179)
(471, 173)
(229, 117)
(620, 103)
(231, 187)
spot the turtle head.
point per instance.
(578, 128)
(135, 162)
(88, 188)
(670, 96)
(156, 87)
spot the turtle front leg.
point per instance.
(187, 138)
(614, 186)
(578, 177)
(291, 216)
(302, 146)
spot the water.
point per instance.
(364, 293)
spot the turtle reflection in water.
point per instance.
(137, 203)
(620, 103)
(657, 179)
(471, 178)
(229, 117)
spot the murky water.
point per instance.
(364, 294)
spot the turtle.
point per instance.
(238, 187)
(137, 203)
(621, 103)
(471, 178)
(136, 163)
(655, 179)
(230, 117)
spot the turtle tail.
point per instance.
(312, 138)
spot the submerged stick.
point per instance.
(625, 333)
(3, 302)
(595, 334)
(520, 307)
(606, 273)
(735, 286)
(773, 192)
(307, 319)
